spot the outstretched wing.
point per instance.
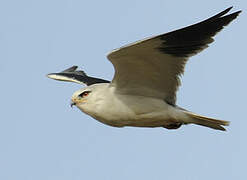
(73, 75)
(152, 67)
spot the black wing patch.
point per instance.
(73, 75)
(190, 40)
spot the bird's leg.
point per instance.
(174, 125)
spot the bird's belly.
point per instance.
(154, 119)
(111, 122)
(109, 116)
(133, 111)
(121, 119)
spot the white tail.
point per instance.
(205, 121)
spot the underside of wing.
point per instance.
(73, 75)
(152, 67)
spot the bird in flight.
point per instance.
(147, 76)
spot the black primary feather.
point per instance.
(190, 40)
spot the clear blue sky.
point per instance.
(42, 138)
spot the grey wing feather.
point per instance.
(73, 75)
(152, 67)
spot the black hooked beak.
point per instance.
(72, 104)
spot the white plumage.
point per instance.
(143, 90)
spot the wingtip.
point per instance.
(238, 12)
(48, 75)
(228, 9)
(224, 12)
(71, 69)
(51, 75)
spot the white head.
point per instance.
(87, 99)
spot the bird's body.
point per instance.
(106, 105)
(125, 110)
(147, 76)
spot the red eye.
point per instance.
(84, 94)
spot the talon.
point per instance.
(173, 126)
